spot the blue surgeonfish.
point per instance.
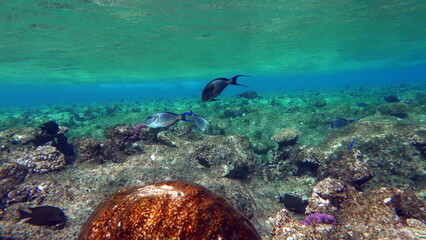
(215, 87)
(338, 122)
(164, 119)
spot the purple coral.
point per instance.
(137, 129)
(315, 218)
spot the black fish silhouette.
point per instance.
(43, 216)
(292, 203)
(50, 128)
(215, 87)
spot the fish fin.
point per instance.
(233, 80)
(23, 214)
(242, 85)
(341, 119)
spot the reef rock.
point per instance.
(287, 227)
(286, 136)
(167, 210)
(119, 143)
(34, 191)
(42, 159)
(397, 109)
(418, 140)
(348, 166)
(226, 156)
(88, 149)
(384, 213)
(39, 151)
(11, 174)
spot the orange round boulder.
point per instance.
(167, 210)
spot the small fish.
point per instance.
(292, 203)
(50, 128)
(249, 95)
(164, 119)
(43, 216)
(351, 144)
(391, 99)
(215, 87)
(338, 122)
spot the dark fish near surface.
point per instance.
(292, 203)
(43, 216)
(50, 128)
(215, 87)
(164, 119)
(338, 122)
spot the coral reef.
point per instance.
(228, 156)
(11, 174)
(381, 150)
(42, 159)
(36, 149)
(87, 149)
(396, 109)
(316, 218)
(319, 103)
(418, 140)
(348, 166)
(286, 137)
(167, 210)
(382, 213)
(236, 160)
(118, 144)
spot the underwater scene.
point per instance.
(135, 119)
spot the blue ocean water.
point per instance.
(53, 94)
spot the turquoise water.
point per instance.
(131, 41)
(90, 65)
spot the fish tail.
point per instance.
(233, 80)
(182, 117)
(23, 214)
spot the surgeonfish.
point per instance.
(215, 87)
(167, 119)
(338, 122)
(164, 119)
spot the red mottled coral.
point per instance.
(167, 210)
